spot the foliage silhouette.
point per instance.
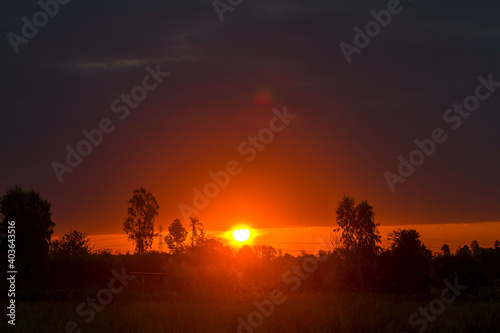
(445, 249)
(73, 243)
(139, 223)
(33, 229)
(358, 240)
(359, 233)
(196, 226)
(407, 261)
(206, 266)
(176, 237)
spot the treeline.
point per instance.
(352, 259)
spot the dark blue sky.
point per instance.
(354, 119)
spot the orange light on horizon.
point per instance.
(239, 235)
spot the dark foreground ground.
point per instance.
(472, 311)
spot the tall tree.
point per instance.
(176, 237)
(358, 240)
(140, 220)
(32, 218)
(359, 233)
(196, 226)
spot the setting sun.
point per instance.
(241, 235)
(232, 176)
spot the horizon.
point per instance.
(295, 239)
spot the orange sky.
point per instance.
(295, 181)
(291, 201)
(292, 240)
(353, 120)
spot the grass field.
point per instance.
(335, 312)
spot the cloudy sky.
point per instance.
(353, 120)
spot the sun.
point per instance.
(241, 235)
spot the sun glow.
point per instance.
(241, 235)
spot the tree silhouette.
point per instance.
(73, 243)
(211, 252)
(407, 261)
(245, 253)
(139, 223)
(176, 237)
(196, 226)
(359, 232)
(33, 228)
(497, 244)
(446, 250)
(464, 251)
(358, 240)
(476, 249)
(268, 253)
(407, 242)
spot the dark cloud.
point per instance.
(355, 118)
